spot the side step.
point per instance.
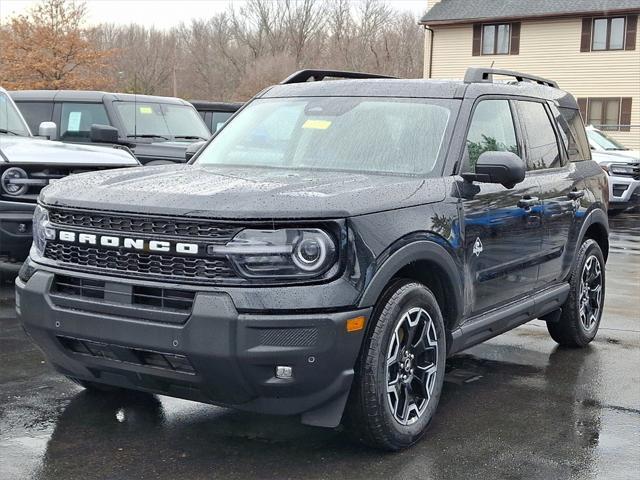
(478, 329)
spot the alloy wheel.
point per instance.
(590, 300)
(412, 363)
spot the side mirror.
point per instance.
(192, 149)
(48, 130)
(103, 134)
(505, 168)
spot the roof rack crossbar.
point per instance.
(480, 74)
(302, 76)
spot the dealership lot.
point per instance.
(515, 407)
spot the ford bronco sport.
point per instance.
(328, 249)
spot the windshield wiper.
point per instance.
(190, 137)
(4, 130)
(147, 135)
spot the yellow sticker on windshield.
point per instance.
(146, 110)
(317, 124)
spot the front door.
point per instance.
(502, 227)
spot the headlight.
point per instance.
(284, 253)
(41, 230)
(14, 181)
(621, 169)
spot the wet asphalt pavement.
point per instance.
(515, 407)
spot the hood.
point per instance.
(166, 150)
(29, 150)
(634, 155)
(241, 193)
(614, 157)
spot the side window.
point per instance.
(578, 145)
(491, 129)
(77, 119)
(35, 113)
(542, 144)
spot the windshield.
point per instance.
(11, 122)
(162, 120)
(604, 141)
(363, 134)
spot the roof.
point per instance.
(462, 11)
(418, 88)
(88, 96)
(216, 106)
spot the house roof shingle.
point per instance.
(457, 11)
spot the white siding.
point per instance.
(550, 48)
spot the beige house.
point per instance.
(590, 47)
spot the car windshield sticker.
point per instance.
(74, 121)
(146, 110)
(317, 124)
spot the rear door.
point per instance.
(502, 227)
(560, 189)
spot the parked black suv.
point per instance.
(157, 129)
(328, 248)
(215, 114)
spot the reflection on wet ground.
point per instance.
(514, 407)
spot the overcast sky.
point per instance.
(163, 13)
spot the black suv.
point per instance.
(328, 249)
(158, 130)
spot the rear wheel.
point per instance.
(401, 370)
(582, 312)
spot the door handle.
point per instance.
(575, 194)
(528, 202)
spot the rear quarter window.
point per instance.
(577, 144)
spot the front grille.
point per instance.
(155, 297)
(33, 179)
(217, 232)
(164, 266)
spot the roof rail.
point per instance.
(302, 76)
(481, 74)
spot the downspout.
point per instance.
(430, 49)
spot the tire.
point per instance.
(582, 312)
(375, 416)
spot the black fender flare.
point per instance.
(421, 250)
(595, 216)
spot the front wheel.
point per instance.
(400, 373)
(582, 312)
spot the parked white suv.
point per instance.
(624, 180)
(601, 142)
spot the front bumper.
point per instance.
(223, 356)
(623, 192)
(15, 234)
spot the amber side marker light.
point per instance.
(355, 324)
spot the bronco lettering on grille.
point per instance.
(128, 243)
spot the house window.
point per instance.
(607, 113)
(495, 39)
(608, 33)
